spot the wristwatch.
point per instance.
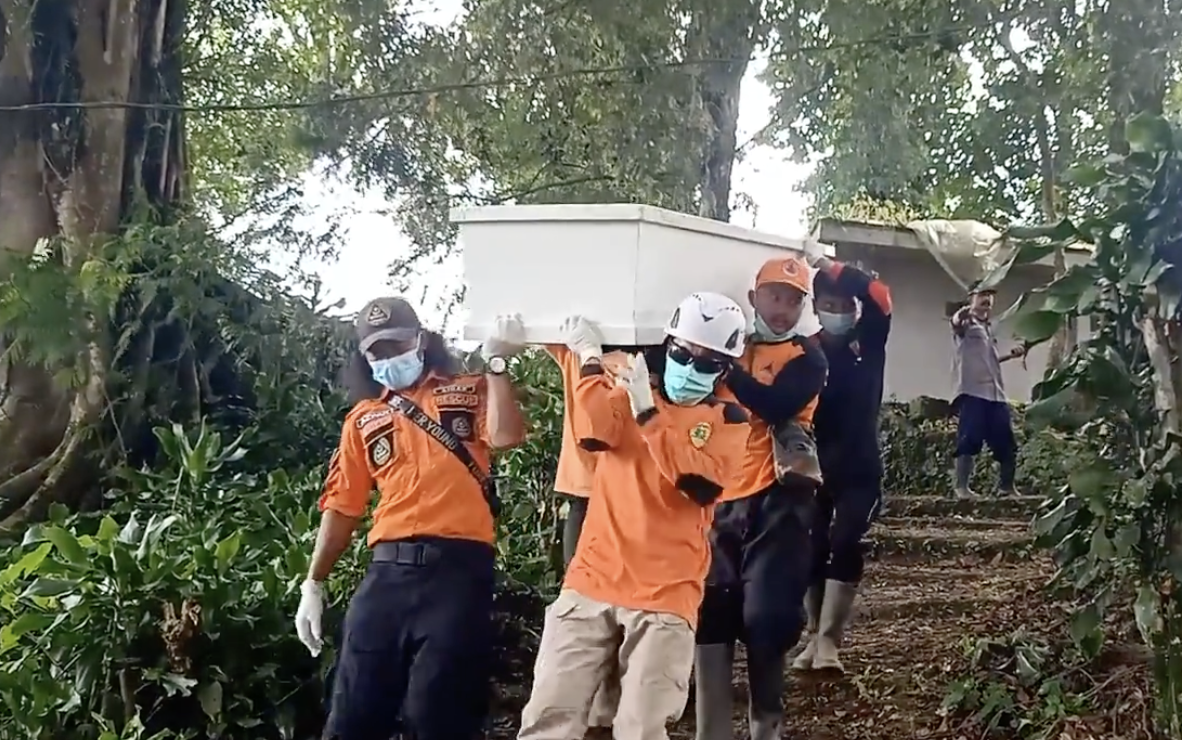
(496, 365)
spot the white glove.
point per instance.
(814, 251)
(583, 339)
(507, 338)
(635, 379)
(309, 615)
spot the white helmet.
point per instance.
(710, 320)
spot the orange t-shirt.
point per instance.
(644, 542)
(576, 467)
(764, 362)
(422, 488)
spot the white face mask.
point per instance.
(837, 323)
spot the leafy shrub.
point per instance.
(172, 609)
(529, 533)
(1114, 528)
(174, 606)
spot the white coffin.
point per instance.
(624, 266)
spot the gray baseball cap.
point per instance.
(386, 318)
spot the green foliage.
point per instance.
(1114, 528)
(172, 609)
(903, 119)
(604, 102)
(1021, 686)
(529, 532)
(174, 606)
(182, 325)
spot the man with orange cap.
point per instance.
(759, 570)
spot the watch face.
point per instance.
(497, 365)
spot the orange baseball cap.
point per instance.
(790, 271)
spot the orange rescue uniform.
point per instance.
(644, 545)
(763, 362)
(423, 490)
(576, 466)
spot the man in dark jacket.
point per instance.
(854, 309)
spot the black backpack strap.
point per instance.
(450, 442)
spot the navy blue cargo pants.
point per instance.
(845, 509)
(982, 423)
(416, 652)
(759, 569)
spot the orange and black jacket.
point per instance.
(846, 422)
(794, 385)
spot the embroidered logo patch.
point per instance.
(700, 434)
(381, 451)
(459, 423)
(377, 316)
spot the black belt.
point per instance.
(417, 554)
(423, 551)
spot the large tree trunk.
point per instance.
(722, 31)
(71, 173)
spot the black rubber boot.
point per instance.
(765, 681)
(1005, 478)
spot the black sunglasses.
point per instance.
(708, 365)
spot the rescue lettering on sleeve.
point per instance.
(458, 405)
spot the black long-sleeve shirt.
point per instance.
(793, 388)
(847, 416)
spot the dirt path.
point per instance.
(938, 567)
(942, 573)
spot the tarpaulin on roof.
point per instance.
(967, 250)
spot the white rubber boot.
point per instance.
(714, 691)
(812, 607)
(837, 609)
(964, 470)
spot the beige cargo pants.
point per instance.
(581, 640)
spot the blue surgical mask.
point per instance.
(837, 323)
(686, 386)
(764, 334)
(398, 372)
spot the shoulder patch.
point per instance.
(381, 450)
(733, 413)
(463, 388)
(372, 416)
(376, 429)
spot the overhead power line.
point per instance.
(481, 84)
